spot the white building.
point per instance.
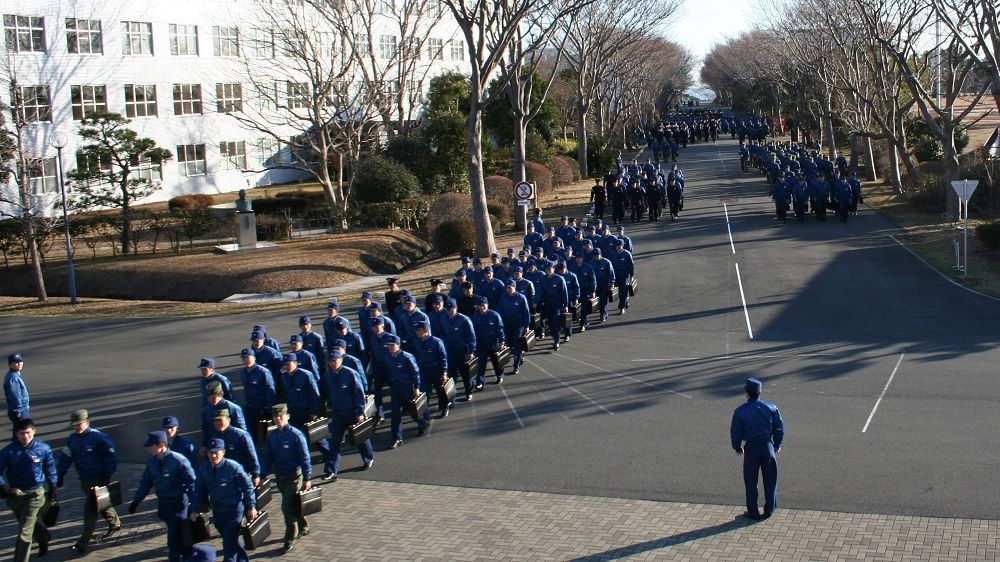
(176, 68)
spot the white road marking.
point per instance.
(744, 298)
(584, 396)
(512, 408)
(640, 381)
(880, 396)
(737, 356)
(729, 228)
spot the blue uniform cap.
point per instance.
(596, 252)
(517, 269)
(339, 323)
(247, 352)
(422, 325)
(460, 272)
(753, 385)
(539, 250)
(289, 358)
(437, 297)
(257, 335)
(480, 301)
(390, 281)
(366, 295)
(295, 339)
(408, 299)
(389, 339)
(564, 217)
(619, 242)
(216, 445)
(477, 261)
(202, 553)
(621, 228)
(511, 251)
(206, 363)
(488, 269)
(404, 293)
(494, 256)
(332, 305)
(259, 328)
(466, 259)
(335, 354)
(375, 306)
(339, 343)
(14, 358)
(552, 229)
(378, 321)
(155, 438)
(170, 421)
(511, 283)
(504, 260)
(451, 303)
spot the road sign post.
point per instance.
(524, 192)
(964, 189)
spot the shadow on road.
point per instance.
(667, 542)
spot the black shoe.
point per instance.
(378, 421)
(111, 531)
(765, 515)
(328, 477)
(555, 346)
(514, 372)
(396, 444)
(468, 397)
(288, 547)
(444, 414)
(421, 432)
(43, 548)
(751, 516)
(479, 388)
(304, 532)
(78, 549)
(368, 465)
(583, 329)
(499, 380)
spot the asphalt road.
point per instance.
(640, 407)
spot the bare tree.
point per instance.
(976, 29)
(489, 28)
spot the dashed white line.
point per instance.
(640, 381)
(582, 395)
(512, 408)
(880, 396)
(743, 297)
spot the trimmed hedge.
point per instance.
(380, 179)
(539, 174)
(453, 236)
(498, 211)
(280, 205)
(448, 207)
(500, 189)
(562, 171)
(192, 201)
(989, 235)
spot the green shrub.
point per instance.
(453, 236)
(539, 174)
(562, 170)
(498, 211)
(380, 179)
(414, 153)
(280, 205)
(448, 207)
(536, 149)
(499, 161)
(929, 193)
(565, 147)
(313, 199)
(192, 201)
(989, 235)
(500, 189)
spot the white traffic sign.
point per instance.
(964, 189)
(523, 191)
(524, 202)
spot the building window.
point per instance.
(36, 105)
(191, 160)
(91, 164)
(296, 95)
(435, 49)
(262, 43)
(326, 44)
(228, 98)
(234, 155)
(137, 38)
(146, 169)
(83, 37)
(86, 100)
(226, 41)
(183, 39)
(435, 9)
(385, 6)
(42, 176)
(457, 49)
(24, 34)
(268, 151)
(387, 46)
(187, 99)
(140, 100)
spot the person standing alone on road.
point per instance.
(18, 407)
(758, 424)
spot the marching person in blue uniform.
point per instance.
(489, 341)
(779, 193)
(27, 481)
(311, 341)
(286, 453)
(604, 273)
(172, 477)
(460, 342)
(208, 375)
(432, 359)
(202, 553)
(537, 222)
(333, 315)
(554, 301)
(489, 287)
(94, 456)
(239, 444)
(363, 314)
(14, 389)
(565, 232)
(587, 279)
(177, 442)
(572, 290)
(404, 385)
(258, 389)
(800, 199)
(345, 395)
(230, 492)
(268, 341)
(217, 402)
(349, 361)
(621, 259)
(524, 286)
(625, 239)
(408, 320)
(302, 392)
(516, 315)
(303, 356)
(267, 357)
(379, 361)
(756, 432)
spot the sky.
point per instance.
(703, 23)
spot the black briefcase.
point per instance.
(106, 497)
(632, 287)
(536, 321)
(467, 368)
(503, 357)
(51, 515)
(370, 409)
(361, 431)
(593, 304)
(528, 340)
(317, 430)
(446, 392)
(194, 532)
(264, 428)
(575, 310)
(567, 320)
(309, 501)
(263, 492)
(256, 532)
(613, 293)
(418, 406)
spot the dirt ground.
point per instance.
(148, 285)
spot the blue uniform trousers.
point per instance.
(481, 357)
(400, 396)
(228, 524)
(622, 293)
(553, 315)
(255, 413)
(380, 376)
(339, 422)
(602, 301)
(455, 359)
(172, 513)
(758, 457)
(513, 335)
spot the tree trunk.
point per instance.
(828, 112)
(485, 245)
(870, 159)
(581, 138)
(894, 171)
(950, 161)
(853, 162)
(126, 221)
(36, 264)
(520, 135)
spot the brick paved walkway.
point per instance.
(374, 521)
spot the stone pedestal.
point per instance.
(248, 229)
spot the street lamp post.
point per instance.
(59, 141)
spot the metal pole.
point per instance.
(965, 234)
(69, 245)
